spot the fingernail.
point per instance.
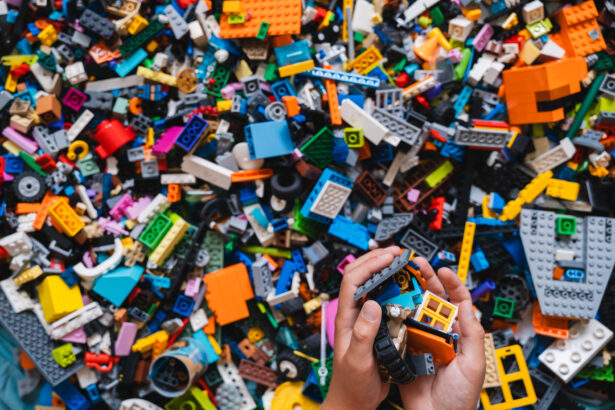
(391, 248)
(370, 311)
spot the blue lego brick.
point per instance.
(353, 233)
(210, 352)
(574, 275)
(282, 89)
(358, 99)
(462, 100)
(410, 299)
(70, 277)
(339, 153)
(269, 139)
(453, 151)
(115, 286)
(247, 196)
(410, 69)
(479, 261)
(156, 321)
(298, 261)
(286, 277)
(93, 393)
(497, 110)
(384, 39)
(228, 45)
(327, 175)
(279, 224)
(69, 394)
(379, 73)
(130, 63)
(497, 7)
(496, 202)
(294, 53)
(191, 133)
(382, 153)
(13, 164)
(183, 305)
(514, 246)
(159, 281)
(355, 79)
(389, 292)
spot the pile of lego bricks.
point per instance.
(183, 182)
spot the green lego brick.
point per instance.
(358, 37)
(192, 399)
(214, 244)
(181, 249)
(271, 72)
(436, 16)
(566, 225)
(278, 253)
(318, 148)
(324, 389)
(504, 307)
(136, 41)
(605, 62)
(64, 355)
(439, 174)
(220, 75)
(46, 61)
(603, 374)
(155, 231)
(31, 162)
(304, 225)
(262, 31)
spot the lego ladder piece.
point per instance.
(34, 340)
(593, 246)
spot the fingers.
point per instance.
(433, 283)
(364, 330)
(457, 291)
(471, 333)
(369, 255)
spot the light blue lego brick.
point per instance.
(260, 217)
(202, 338)
(327, 175)
(159, 281)
(353, 233)
(479, 261)
(355, 79)
(115, 286)
(391, 291)
(130, 63)
(462, 100)
(269, 139)
(574, 275)
(358, 99)
(496, 202)
(282, 88)
(294, 53)
(286, 277)
(226, 44)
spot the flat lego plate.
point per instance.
(32, 338)
(283, 16)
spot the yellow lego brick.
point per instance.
(293, 69)
(508, 379)
(531, 191)
(127, 242)
(512, 209)
(365, 60)
(243, 70)
(66, 217)
(14, 61)
(11, 147)
(231, 7)
(492, 376)
(487, 213)
(224, 105)
(28, 275)
(214, 344)
(171, 238)
(48, 36)
(156, 342)
(466, 251)
(137, 24)
(436, 312)
(151, 46)
(57, 299)
(346, 4)
(11, 83)
(558, 188)
(156, 76)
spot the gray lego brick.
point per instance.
(553, 387)
(423, 363)
(390, 226)
(407, 132)
(32, 338)
(418, 243)
(590, 138)
(608, 85)
(476, 137)
(593, 245)
(379, 278)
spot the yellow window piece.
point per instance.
(436, 312)
(521, 375)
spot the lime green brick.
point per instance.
(439, 174)
(64, 355)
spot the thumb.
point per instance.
(365, 329)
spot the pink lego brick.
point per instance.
(125, 338)
(117, 212)
(348, 259)
(192, 288)
(22, 142)
(483, 37)
(132, 212)
(413, 195)
(166, 141)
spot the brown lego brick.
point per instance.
(371, 188)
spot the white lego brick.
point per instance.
(140, 404)
(460, 28)
(479, 68)
(115, 83)
(564, 255)
(25, 222)
(19, 300)
(533, 11)
(43, 76)
(357, 117)
(198, 320)
(566, 357)
(89, 207)
(86, 376)
(158, 204)
(197, 34)
(79, 125)
(16, 243)
(75, 73)
(362, 16)
(552, 51)
(264, 236)
(207, 171)
(111, 262)
(554, 157)
(229, 373)
(417, 8)
(330, 200)
(160, 60)
(493, 72)
(166, 179)
(75, 320)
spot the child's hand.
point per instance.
(458, 384)
(355, 383)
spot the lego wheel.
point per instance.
(388, 357)
(286, 185)
(29, 187)
(292, 366)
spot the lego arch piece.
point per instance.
(102, 268)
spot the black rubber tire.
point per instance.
(29, 187)
(388, 356)
(292, 366)
(286, 184)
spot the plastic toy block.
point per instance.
(379, 278)
(115, 286)
(358, 118)
(183, 305)
(69, 394)
(608, 86)
(66, 217)
(482, 138)
(566, 225)
(297, 68)
(353, 233)
(170, 239)
(422, 338)
(134, 42)
(227, 291)
(397, 127)
(57, 299)
(604, 373)
(420, 244)
(158, 77)
(540, 242)
(269, 139)
(509, 380)
(318, 148)
(178, 24)
(559, 78)
(466, 251)
(28, 275)
(354, 137)
(504, 307)
(207, 171)
(193, 398)
(327, 197)
(492, 375)
(527, 195)
(350, 78)
(371, 188)
(556, 327)
(293, 53)
(364, 61)
(567, 357)
(554, 157)
(192, 133)
(436, 312)
(282, 16)
(578, 25)
(64, 355)
(334, 107)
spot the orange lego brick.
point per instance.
(280, 41)
(552, 326)
(292, 105)
(26, 363)
(174, 193)
(558, 272)
(334, 105)
(27, 208)
(579, 32)
(227, 291)
(283, 16)
(251, 175)
(501, 325)
(421, 341)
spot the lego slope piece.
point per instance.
(269, 139)
(34, 340)
(567, 357)
(116, 286)
(283, 17)
(593, 249)
(228, 290)
(57, 299)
